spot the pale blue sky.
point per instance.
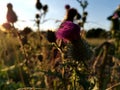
(98, 11)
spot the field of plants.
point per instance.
(30, 61)
(38, 60)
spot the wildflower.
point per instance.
(78, 16)
(84, 16)
(71, 13)
(7, 26)
(11, 15)
(68, 31)
(45, 8)
(37, 16)
(40, 58)
(51, 36)
(26, 31)
(79, 51)
(115, 16)
(38, 5)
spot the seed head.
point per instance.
(11, 15)
(40, 57)
(45, 8)
(51, 36)
(7, 26)
(38, 5)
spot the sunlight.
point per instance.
(2, 15)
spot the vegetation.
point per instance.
(33, 60)
(35, 64)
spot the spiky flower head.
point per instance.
(40, 58)
(45, 8)
(37, 16)
(85, 13)
(11, 15)
(78, 16)
(38, 5)
(7, 26)
(51, 36)
(9, 5)
(71, 13)
(68, 31)
(79, 51)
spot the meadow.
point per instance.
(37, 60)
(28, 61)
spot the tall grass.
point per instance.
(50, 68)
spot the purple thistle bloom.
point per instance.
(7, 25)
(68, 31)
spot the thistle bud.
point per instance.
(7, 26)
(78, 16)
(79, 50)
(45, 8)
(51, 36)
(38, 5)
(11, 15)
(40, 57)
(85, 14)
(37, 16)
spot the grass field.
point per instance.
(32, 61)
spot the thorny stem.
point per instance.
(97, 60)
(102, 69)
(20, 40)
(21, 75)
(115, 85)
(39, 33)
(61, 52)
(62, 57)
(25, 54)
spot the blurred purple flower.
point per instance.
(68, 31)
(7, 26)
(11, 15)
(115, 16)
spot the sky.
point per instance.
(98, 11)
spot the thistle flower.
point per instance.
(78, 16)
(79, 51)
(71, 13)
(68, 31)
(26, 31)
(38, 5)
(40, 58)
(45, 8)
(37, 16)
(7, 26)
(51, 36)
(115, 16)
(85, 14)
(84, 19)
(11, 15)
